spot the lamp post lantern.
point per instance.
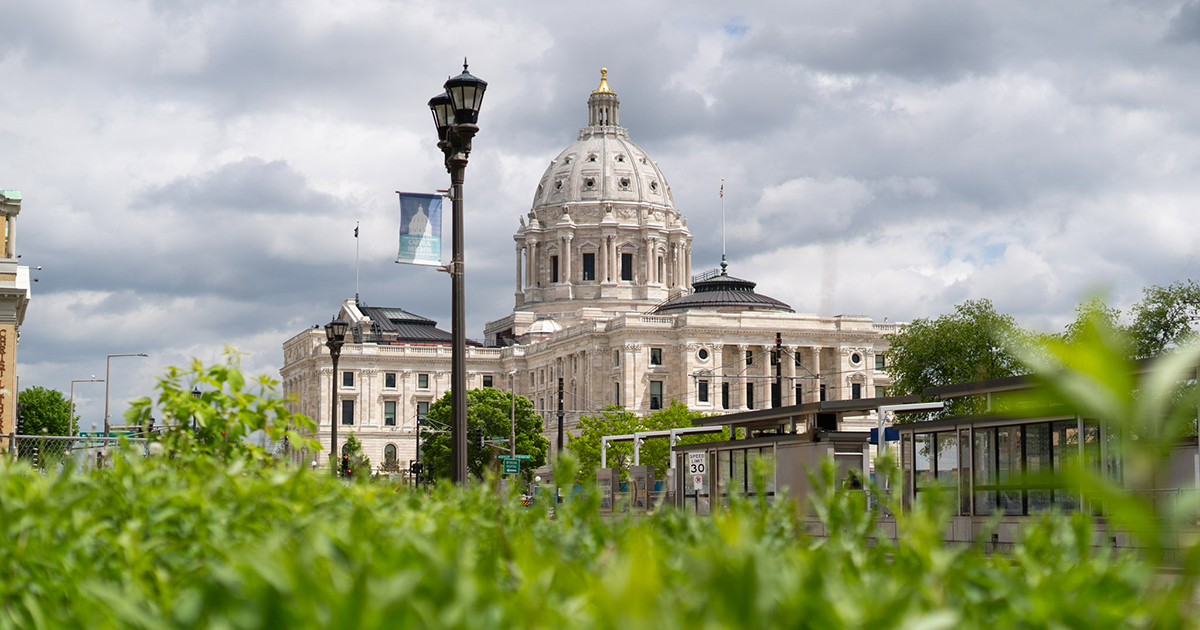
(335, 336)
(107, 376)
(455, 113)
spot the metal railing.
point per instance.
(56, 452)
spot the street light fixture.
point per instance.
(455, 113)
(335, 336)
(107, 376)
(71, 417)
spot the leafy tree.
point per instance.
(971, 344)
(1092, 312)
(1163, 319)
(617, 421)
(214, 425)
(360, 465)
(488, 417)
(45, 411)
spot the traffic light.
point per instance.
(345, 465)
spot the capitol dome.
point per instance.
(602, 236)
(603, 164)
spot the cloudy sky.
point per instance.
(192, 170)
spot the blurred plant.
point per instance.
(215, 423)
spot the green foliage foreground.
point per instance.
(157, 543)
(210, 532)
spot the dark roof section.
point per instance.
(724, 291)
(781, 415)
(979, 388)
(404, 326)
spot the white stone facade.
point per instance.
(602, 248)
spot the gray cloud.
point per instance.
(193, 170)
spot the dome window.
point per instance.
(567, 160)
(558, 185)
(621, 158)
(592, 157)
(653, 186)
(590, 182)
(643, 160)
(625, 183)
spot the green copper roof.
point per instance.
(11, 194)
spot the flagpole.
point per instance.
(356, 263)
(723, 264)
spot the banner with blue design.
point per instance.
(420, 229)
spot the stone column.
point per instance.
(740, 386)
(566, 256)
(687, 274)
(10, 243)
(614, 260)
(816, 369)
(520, 286)
(602, 271)
(789, 369)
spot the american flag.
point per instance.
(722, 193)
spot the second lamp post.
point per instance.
(455, 113)
(335, 336)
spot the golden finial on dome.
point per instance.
(603, 89)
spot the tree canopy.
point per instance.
(45, 412)
(617, 421)
(1163, 319)
(487, 417)
(973, 343)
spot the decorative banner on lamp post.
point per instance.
(420, 229)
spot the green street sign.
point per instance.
(512, 466)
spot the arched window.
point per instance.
(389, 454)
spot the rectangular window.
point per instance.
(822, 392)
(796, 359)
(422, 410)
(774, 357)
(347, 379)
(487, 380)
(627, 267)
(617, 394)
(880, 392)
(347, 412)
(422, 381)
(554, 269)
(880, 361)
(702, 391)
(589, 267)
(389, 413)
(749, 395)
(1008, 469)
(655, 356)
(799, 394)
(749, 357)
(856, 391)
(724, 395)
(985, 471)
(1038, 462)
(389, 380)
(656, 394)
(923, 460)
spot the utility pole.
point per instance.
(560, 416)
(777, 395)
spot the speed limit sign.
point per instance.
(697, 469)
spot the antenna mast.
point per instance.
(723, 263)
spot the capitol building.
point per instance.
(607, 309)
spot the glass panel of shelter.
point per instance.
(734, 471)
(1008, 468)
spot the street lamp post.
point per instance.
(335, 336)
(71, 417)
(455, 113)
(512, 396)
(107, 370)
